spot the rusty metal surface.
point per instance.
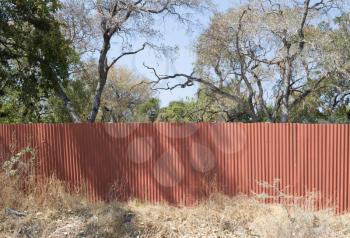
(183, 163)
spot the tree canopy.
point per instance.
(272, 59)
(34, 55)
(276, 61)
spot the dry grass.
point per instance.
(55, 212)
(222, 216)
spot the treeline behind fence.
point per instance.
(184, 163)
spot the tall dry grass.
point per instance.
(21, 189)
(52, 208)
(222, 216)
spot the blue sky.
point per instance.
(175, 34)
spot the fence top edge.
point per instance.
(174, 124)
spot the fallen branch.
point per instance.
(12, 212)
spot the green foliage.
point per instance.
(78, 93)
(206, 107)
(148, 111)
(34, 56)
(177, 111)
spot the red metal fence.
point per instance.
(181, 163)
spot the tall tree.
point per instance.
(122, 21)
(331, 103)
(267, 57)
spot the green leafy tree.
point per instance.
(34, 56)
(177, 111)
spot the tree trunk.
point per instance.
(103, 72)
(287, 76)
(68, 105)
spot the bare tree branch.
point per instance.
(307, 92)
(190, 79)
(126, 54)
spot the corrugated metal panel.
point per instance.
(183, 163)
